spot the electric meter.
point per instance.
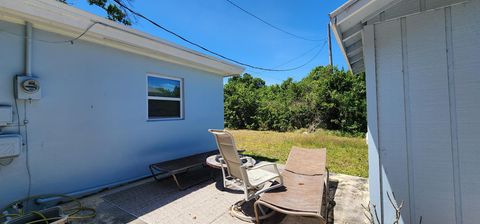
(27, 88)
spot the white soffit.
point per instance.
(349, 19)
(53, 16)
(347, 24)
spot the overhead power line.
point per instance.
(208, 50)
(303, 54)
(307, 62)
(271, 25)
(293, 59)
(71, 41)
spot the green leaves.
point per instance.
(113, 10)
(320, 100)
(241, 101)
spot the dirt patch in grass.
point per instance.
(347, 155)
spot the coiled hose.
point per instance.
(73, 213)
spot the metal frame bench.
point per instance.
(180, 165)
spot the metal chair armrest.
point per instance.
(247, 167)
(263, 165)
(267, 164)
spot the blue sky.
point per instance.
(221, 27)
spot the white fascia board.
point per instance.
(338, 38)
(349, 9)
(351, 14)
(356, 11)
(53, 16)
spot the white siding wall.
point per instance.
(466, 63)
(424, 72)
(391, 113)
(430, 118)
(371, 83)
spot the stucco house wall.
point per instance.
(90, 128)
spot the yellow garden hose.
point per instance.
(72, 213)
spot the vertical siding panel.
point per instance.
(375, 185)
(466, 58)
(453, 113)
(430, 118)
(408, 120)
(391, 119)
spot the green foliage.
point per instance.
(241, 101)
(333, 101)
(113, 10)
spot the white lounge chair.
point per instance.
(253, 180)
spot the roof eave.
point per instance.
(349, 18)
(60, 18)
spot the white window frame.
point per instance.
(165, 98)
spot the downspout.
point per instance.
(28, 49)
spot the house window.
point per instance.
(165, 97)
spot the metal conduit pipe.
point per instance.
(28, 48)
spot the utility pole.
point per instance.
(330, 59)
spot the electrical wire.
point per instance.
(265, 77)
(104, 24)
(27, 152)
(79, 36)
(175, 34)
(303, 54)
(310, 60)
(71, 41)
(204, 48)
(271, 25)
(275, 69)
(316, 54)
(18, 116)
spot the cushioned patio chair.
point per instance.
(305, 184)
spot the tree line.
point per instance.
(327, 98)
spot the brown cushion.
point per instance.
(306, 161)
(300, 193)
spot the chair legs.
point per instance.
(236, 211)
(255, 209)
(327, 194)
(259, 203)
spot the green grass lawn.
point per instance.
(347, 155)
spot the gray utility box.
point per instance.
(10, 146)
(6, 115)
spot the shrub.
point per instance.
(323, 99)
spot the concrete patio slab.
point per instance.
(160, 202)
(351, 192)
